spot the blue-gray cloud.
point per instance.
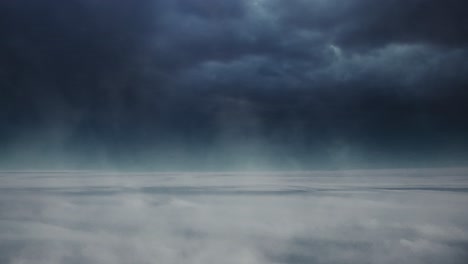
(108, 78)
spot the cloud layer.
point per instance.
(406, 216)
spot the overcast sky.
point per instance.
(212, 84)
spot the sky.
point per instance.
(233, 84)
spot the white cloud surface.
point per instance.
(416, 216)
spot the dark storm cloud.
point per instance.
(369, 23)
(433, 22)
(308, 76)
(309, 44)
